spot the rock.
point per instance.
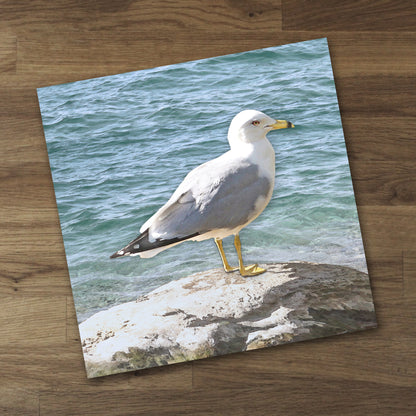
(212, 313)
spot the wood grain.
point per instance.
(364, 398)
(384, 15)
(372, 46)
(8, 54)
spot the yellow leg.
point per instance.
(227, 267)
(251, 270)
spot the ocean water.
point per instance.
(120, 145)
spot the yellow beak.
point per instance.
(281, 124)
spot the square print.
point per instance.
(207, 207)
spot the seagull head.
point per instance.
(250, 126)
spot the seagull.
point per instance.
(218, 198)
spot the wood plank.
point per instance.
(383, 53)
(377, 95)
(227, 16)
(33, 320)
(8, 53)
(375, 138)
(384, 182)
(385, 15)
(72, 331)
(34, 275)
(37, 15)
(387, 230)
(14, 95)
(24, 181)
(409, 277)
(18, 402)
(59, 367)
(33, 259)
(30, 237)
(386, 278)
(306, 398)
(174, 402)
(144, 15)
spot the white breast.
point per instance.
(260, 153)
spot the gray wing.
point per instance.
(213, 196)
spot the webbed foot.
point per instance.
(252, 270)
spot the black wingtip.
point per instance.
(119, 253)
(142, 243)
(132, 247)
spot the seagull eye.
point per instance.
(255, 123)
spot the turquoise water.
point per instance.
(120, 145)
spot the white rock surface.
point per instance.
(212, 313)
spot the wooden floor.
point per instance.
(373, 49)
